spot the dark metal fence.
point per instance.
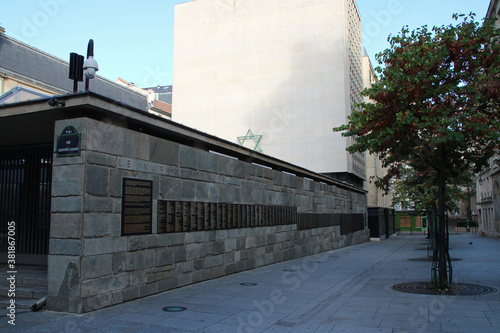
(25, 190)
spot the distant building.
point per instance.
(494, 11)
(162, 93)
(288, 71)
(381, 219)
(28, 73)
(488, 199)
(487, 182)
(155, 105)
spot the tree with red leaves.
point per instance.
(435, 108)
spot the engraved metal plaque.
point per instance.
(137, 206)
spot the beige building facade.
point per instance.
(488, 181)
(287, 70)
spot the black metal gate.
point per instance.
(25, 191)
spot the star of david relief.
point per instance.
(250, 136)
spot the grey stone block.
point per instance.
(97, 266)
(67, 180)
(184, 279)
(95, 204)
(217, 247)
(213, 192)
(278, 178)
(154, 241)
(130, 293)
(230, 245)
(98, 225)
(170, 188)
(105, 138)
(136, 243)
(117, 297)
(260, 240)
(250, 170)
(136, 145)
(208, 162)
(231, 268)
(96, 246)
(67, 204)
(179, 253)
(188, 157)
(64, 276)
(226, 193)
(237, 194)
(267, 173)
(176, 239)
(66, 225)
(216, 272)
(164, 152)
(164, 256)
(239, 169)
(225, 166)
(195, 251)
(117, 262)
(202, 192)
(198, 264)
(104, 284)
(69, 247)
(213, 261)
(228, 258)
(101, 159)
(168, 284)
(137, 277)
(96, 180)
(188, 190)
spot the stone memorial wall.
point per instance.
(135, 214)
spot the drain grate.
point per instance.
(458, 289)
(174, 309)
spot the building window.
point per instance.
(405, 221)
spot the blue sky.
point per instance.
(134, 39)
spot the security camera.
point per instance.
(55, 102)
(90, 67)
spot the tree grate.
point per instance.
(457, 289)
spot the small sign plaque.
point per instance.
(68, 143)
(137, 206)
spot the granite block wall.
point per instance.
(92, 265)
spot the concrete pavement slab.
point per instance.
(345, 290)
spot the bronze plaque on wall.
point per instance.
(137, 206)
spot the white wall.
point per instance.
(275, 67)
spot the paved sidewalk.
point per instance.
(346, 290)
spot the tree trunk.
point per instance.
(442, 244)
(431, 227)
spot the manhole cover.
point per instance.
(248, 284)
(174, 308)
(430, 259)
(458, 289)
